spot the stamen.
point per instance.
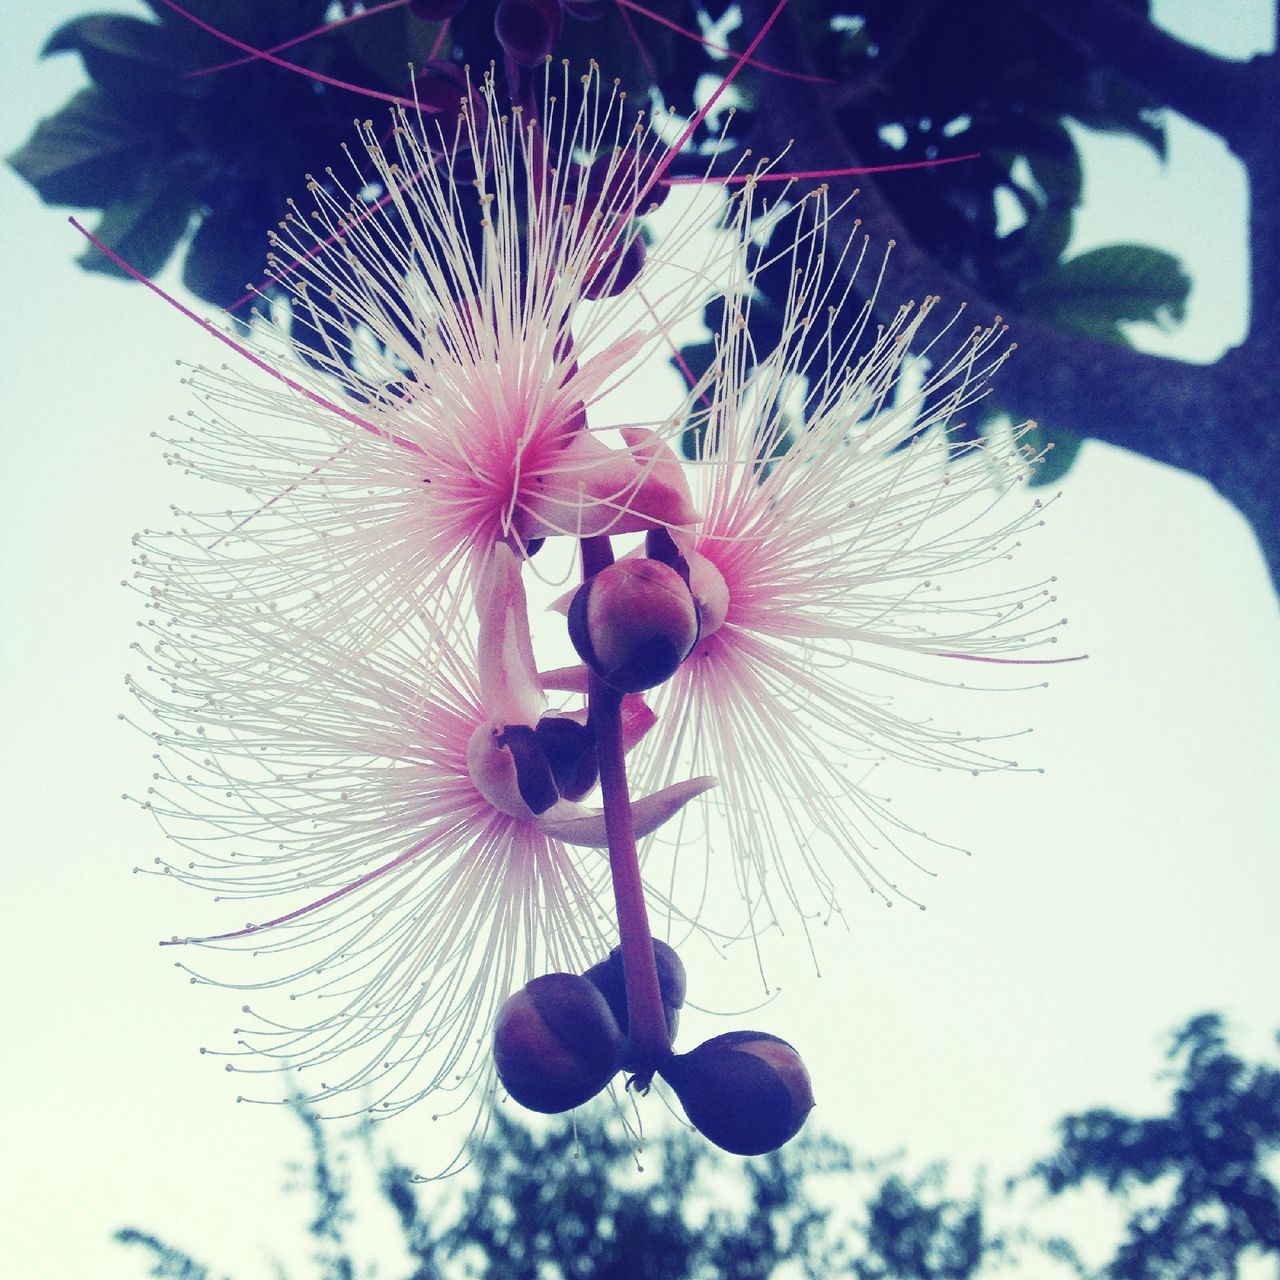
(758, 63)
(323, 29)
(267, 56)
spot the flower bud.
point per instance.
(705, 582)
(527, 29)
(508, 766)
(555, 1043)
(633, 623)
(522, 770)
(609, 979)
(747, 1091)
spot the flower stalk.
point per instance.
(646, 1016)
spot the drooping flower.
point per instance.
(401, 778)
(465, 329)
(840, 532)
(410, 857)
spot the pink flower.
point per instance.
(404, 887)
(447, 398)
(833, 558)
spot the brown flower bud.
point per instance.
(633, 623)
(608, 978)
(527, 29)
(555, 1043)
(747, 1091)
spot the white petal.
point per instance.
(648, 814)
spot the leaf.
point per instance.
(388, 42)
(87, 155)
(1115, 106)
(1059, 450)
(225, 254)
(1041, 242)
(144, 229)
(128, 57)
(233, 16)
(695, 359)
(1054, 161)
(1121, 282)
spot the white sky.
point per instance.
(1133, 884)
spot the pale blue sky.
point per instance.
(1131, 885)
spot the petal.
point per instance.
(596, 371)
(509, 684)
(648, 814)
(592, 489)
(658, 456)
(637, 719)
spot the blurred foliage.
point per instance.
(180, 161)
(1215, 1151)
(582, 1203)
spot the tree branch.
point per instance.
(1214, 421)
(1218, 93)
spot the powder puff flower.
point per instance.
(832, 557)
(409, 870)
(465, 330)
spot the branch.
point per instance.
(1216, 421)
(911, 16)
(1218, 93)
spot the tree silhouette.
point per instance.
(1223, 1126)
(573, 1203)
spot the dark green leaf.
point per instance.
(87, 155)
(145, 229)
(580, 42)
(1115, 106)
(1044, 239)
(226, 251)
(1059, 449)
(1054, 161)
(1121, 282)
(128, 57)
(388, 42)
(693, 364)
(233, 16)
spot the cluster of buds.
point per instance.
(562, 1038)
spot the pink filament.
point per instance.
(253, 359)
(358, 883)
(801, 174)
(1014, 662)
(280, 62)
(624, 5)
(323, 29)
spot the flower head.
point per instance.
(837, 537)
(460, 333)
(344, 674)
(406, 885)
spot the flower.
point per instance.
(471, 321)
(407, 886)
(344, 675)
(836, 540)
